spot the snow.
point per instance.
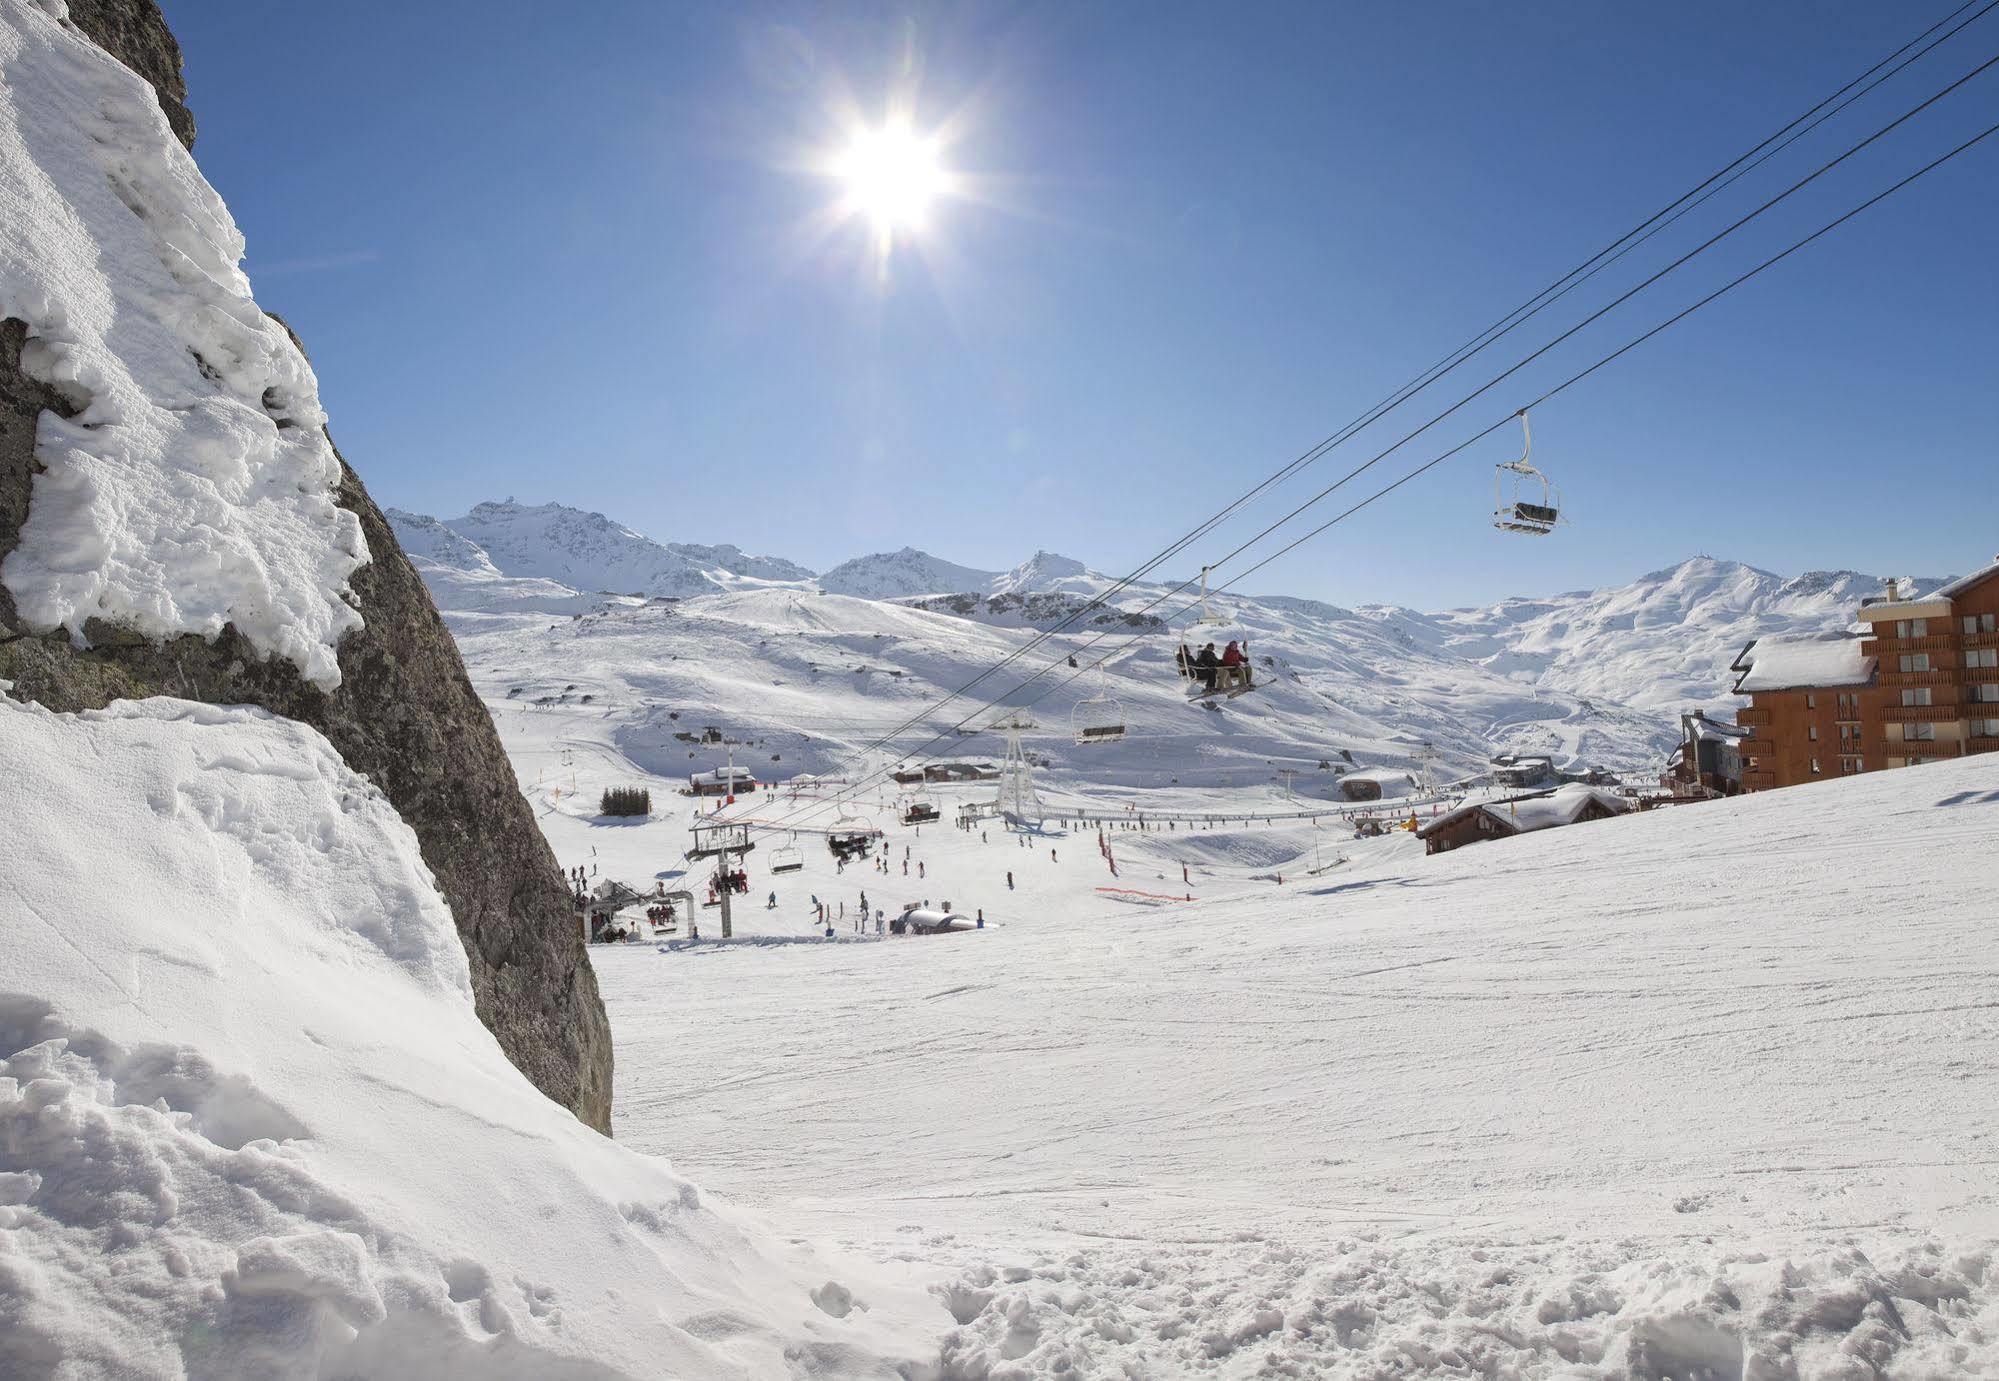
(194, 486)
(892, 574)
(251, 1126)
(1588, 677)
(1679, 1089)
(1782, 664)
(589, 552)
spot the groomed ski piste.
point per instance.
(1698, 1091)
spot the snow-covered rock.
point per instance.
(186, 482)
(1045, 571)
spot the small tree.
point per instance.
(627, 800)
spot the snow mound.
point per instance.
(192, 486)
(251, 1126)
(1365, 1309)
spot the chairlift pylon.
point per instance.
(1098, 718)
(1523, 500)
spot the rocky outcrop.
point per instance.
(404, 712)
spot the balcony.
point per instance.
(1933, 642)
(1753, 718)
(1979, 743)
(1933, 714)
(1916, 748)
(1981, 639)
(1758, 781)
(1918, 678)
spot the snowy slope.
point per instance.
(1677, 1094)
(896, 574)
(250, 1125)
(1596, 676)
(193, 486)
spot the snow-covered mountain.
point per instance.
(1045, 571)
(588, 552)
(900, 574)
(1662, 641)
(1596, 674)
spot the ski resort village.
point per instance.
(1434, 883)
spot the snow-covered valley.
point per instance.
(1688, 1093)
(1213, 1071)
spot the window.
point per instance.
(1919, 733)
(1815, 766)
(1915, 661)
(1811, 702)
(1981, 623)
(1985, 728)
(1986, 693)
(1916, 695)
(1982, 657)
(1812, 732)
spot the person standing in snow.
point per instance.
(771, 905)
(1009, 882)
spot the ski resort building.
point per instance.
(1708, 761)
(1483, 820)
(723, 781)
(1919, 682)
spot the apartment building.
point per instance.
(1919, 681)
(1938, 675)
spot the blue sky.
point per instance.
(581, 254)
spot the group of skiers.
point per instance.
(1215, 672)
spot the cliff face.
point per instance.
(403, 713)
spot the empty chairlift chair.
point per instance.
(1523, 499)
(1098, 718)
(786, 861)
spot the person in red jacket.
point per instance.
(1235, 666)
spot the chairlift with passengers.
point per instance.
(1523, 499)
(1210, 682)
(1098, 718)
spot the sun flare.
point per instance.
(892, 176)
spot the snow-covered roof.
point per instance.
(1790, 664)
(1539, 812)
(1964, 583)
(723, 774)
(1704, 728)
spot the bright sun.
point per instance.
(892, 175)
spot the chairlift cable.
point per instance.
(1713, 183)
(1488, 430)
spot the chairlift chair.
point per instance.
(1523, 499)
(916, 809)
(786, 861)
(1207, 627)
(1098, 718)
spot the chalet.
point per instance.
(1522, 769)
(1707, 761)
(1920, 682)
(960, 772)
(1474, 823)
(723, 781)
